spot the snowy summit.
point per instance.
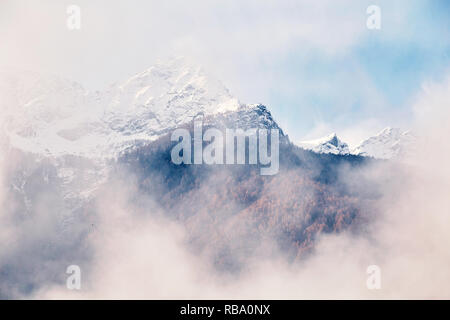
(387, 144)
(329, 144)
(57, 117)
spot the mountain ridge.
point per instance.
(389, 143)
(52, 116)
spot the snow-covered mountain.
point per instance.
(162, 97)
(66, 143)
(55, 117)
(51, 116)
(329, 144)
(78, 132)
(387, 144)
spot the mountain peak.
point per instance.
(333, 139)
(173, 86)
(165, 95)
(166, 70)
(328, 144)
(62, 118)
(388, 143)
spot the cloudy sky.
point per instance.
(314, 63)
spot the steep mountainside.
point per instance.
(231, 210)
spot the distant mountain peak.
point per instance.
(333, 140)
(328, 144)
(388, 143)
